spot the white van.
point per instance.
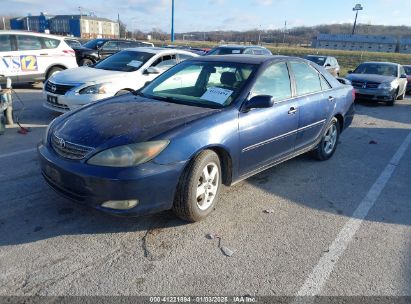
(31, 57)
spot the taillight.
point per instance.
(69, 52)
(353, 94)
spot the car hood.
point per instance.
(125, 119)
(370, 77)
(86, 75)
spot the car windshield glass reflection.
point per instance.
(207, 84)
(377, 69)
(125, 61)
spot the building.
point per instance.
(356, 43)
(81, 26)
(405, 46)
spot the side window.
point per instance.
(274, 81)
(49, 43)
(5, 43)
(28, 43)
(183, 57)
(110, 46)
(402, 71)
(165, 62)
(248, 51)
(306, 78)
(257, 52)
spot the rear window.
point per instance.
(28, 43)
(226, 51)
(5, 43)
(50, 43)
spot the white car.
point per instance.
(121, 73)
(31, 57)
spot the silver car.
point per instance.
(379, 81)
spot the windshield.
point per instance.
(207, 84)
(93, 44)
(316, 59)
(407, 70)
(124, 61)
(225, 51)
(377, 69)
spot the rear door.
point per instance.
(269, 134)
(315, 101)
(33, 62)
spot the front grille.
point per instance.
(59, 89)
(368, 85)
(69, 150)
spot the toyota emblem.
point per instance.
(61, 142)
(53, 88)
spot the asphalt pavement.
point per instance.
(340, 227)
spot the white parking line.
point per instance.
(318, 277)
(17, 153)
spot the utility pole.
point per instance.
(119, 26)
(4, 24)
(285, 31)
(358, 7)
(172, 20)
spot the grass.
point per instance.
(348, 60)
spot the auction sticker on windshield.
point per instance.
(135, 63)
(217, 95)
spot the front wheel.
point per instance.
(86, 62)
(199, 187)
(329, 141)
(402, 96)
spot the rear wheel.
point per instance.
(329, 141)
(198, 189)
(86, 62)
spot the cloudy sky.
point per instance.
(204, 15)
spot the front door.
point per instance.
(268, 134)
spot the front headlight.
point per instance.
(129, 155)
(101, 88)
(386, 86)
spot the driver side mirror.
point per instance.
(403, 76)
(328, 65)
(259, 102)
(152, 70)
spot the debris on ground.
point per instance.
(227, 251)
(212, 236)
(269, 211)
(373, 142)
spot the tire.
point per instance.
(327, 146)
(390, 102)
(401, 97)
(122, 92)
(191, 203)
(53, 71)
(86, 62)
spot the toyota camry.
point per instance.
(207, 121)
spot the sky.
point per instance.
(209, 15)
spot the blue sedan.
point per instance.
(205, 122)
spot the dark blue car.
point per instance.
(208, 121)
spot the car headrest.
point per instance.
(228, 79)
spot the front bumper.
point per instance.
(375, 94)
(71, 100)
(154, 185)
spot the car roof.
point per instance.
(247, 59)
(239, 46)
(158, 50)
(378, 62)
(16, 32)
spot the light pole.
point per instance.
(358, 7)
(172, 20)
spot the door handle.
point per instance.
(44, 54)
(331, 99)
(292, 111)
